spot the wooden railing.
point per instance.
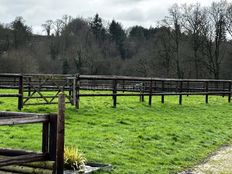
(52, 138)
(36, 86)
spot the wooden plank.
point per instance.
(28, 120)
(21, 159)
(9, 95)
(13, 152)
(19, 114)
(60, 136)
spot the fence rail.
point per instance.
(37, 86)
(52, 138)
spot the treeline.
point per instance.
(191, 42)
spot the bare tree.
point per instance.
(215, 37)
(47, 27)
(174, 21)
(58, 26)
(194, 19)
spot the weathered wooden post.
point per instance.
(77, 104)
(123, 86)
(162, 96)
(60, 136)
(52, 136)
(223, 89)
(29, 86)
(142, 92)
(180, 91)
(206, 90)
(150, 93)
(70, 88)
(188, 88)
(20, 93)
(114, 93)
(45, 138)
(74, 96)
(230, 90)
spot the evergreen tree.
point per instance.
(119, 36)
(98, 28)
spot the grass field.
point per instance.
(135, 138)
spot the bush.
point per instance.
(74, 159)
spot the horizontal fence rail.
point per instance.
(32, 87)
(52, 138)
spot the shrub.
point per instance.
(74, 159)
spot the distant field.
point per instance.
(135, 138)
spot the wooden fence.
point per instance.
(37, 86)
(52, 139)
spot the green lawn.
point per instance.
(135, 138)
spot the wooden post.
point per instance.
(223, 89)
(60, 136)
(52, 136)
(114, 93)
(123, 86)
(29, 86)
(77, 104)
(180, 90)
(70, 88)
(150, 93)
(20, 96)
(45, 138)
(188, 87)
(74, 96)
(142, 97)
(230, 90)
(162, 96)
(206, 90)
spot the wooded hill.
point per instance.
(191, 42)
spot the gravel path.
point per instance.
(218, 163)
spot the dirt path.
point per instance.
(218, 163)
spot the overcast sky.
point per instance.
(127, 12)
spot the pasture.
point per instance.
(134, 137)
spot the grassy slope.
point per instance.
(135, 138)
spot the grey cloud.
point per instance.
(134, 14)
(128, 12)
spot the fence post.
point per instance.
(29, 86)
(150, 93)
(123, 86)
(223, 89)
(60, 136)
(77, 104)
(180, 90)
(45, 138)
(162, 88)
(20, 93)
(70, 89)
(142, 92)
(206, 90)
(53, 136)
(114, 93)
(229, 96)
(74, 96)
